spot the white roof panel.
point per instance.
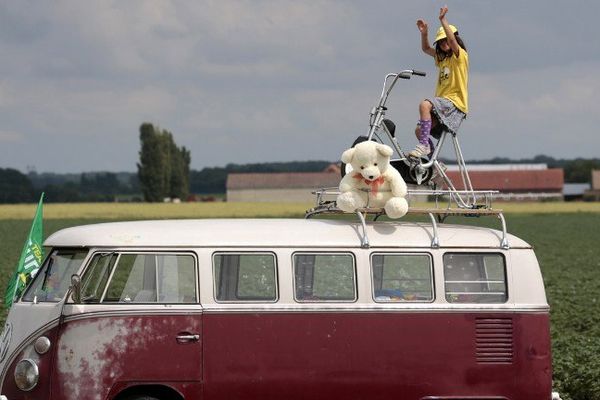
(274, 233)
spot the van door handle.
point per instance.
(188, 337)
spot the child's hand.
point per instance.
(443, 12)
(422, 25)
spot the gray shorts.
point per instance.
(447, 114)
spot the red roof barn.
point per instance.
(514, 181)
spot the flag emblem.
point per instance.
(31, 259)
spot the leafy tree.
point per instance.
(68, 192)
(15, 187)
(164, 168)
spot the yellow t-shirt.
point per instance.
(453, 80)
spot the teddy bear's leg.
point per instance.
(396, 207)
(350, 201)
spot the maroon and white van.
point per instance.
(280, 309)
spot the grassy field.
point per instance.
(121, 211)
(566, 237)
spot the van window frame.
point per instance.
(119, 252)
(431, 269)
(484, 253)
(328, 253)
(241, 253)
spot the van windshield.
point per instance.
(54, 278)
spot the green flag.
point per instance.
(31, 258)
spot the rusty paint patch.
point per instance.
(93, 353)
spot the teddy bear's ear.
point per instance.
(385, 150)
(347, 156)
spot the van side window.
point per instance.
(245, 277)
(475, 278)
(402, 277)
(152, 278)
(324, 277)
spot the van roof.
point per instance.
(275, 233)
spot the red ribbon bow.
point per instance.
(374, 184)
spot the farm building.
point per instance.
(518, 181)
(514, 181)
(575, 191)
(280, 187)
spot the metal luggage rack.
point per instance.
(325, 204)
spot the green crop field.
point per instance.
(566, 237)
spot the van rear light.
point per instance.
(26, 375)
(494, 340)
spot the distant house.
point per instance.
(280, 187)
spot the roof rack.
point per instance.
(325, 204)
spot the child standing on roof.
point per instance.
(450, 105)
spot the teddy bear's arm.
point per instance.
(397, 184)
(346, 184)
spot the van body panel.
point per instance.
(122, 349)
(528, 282)
(45, 364)
(371, 355)
(27, 322)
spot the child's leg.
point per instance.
(423, 130)
(425, 122)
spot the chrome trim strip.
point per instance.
(102, 314)
(291, 310)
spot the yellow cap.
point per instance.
(441, 33)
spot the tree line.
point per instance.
(164, 172)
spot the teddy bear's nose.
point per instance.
(371, 177)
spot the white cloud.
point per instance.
(241, 81)
(10, 137)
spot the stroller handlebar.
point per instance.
(387, 87)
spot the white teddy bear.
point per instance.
(373, 182)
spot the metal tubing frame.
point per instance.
(376, 123)
(435, 240)
(504, 242)
(433, 162)
(364, 240)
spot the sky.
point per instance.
(265, 81)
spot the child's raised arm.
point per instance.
(427, 49)
(449, 34)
